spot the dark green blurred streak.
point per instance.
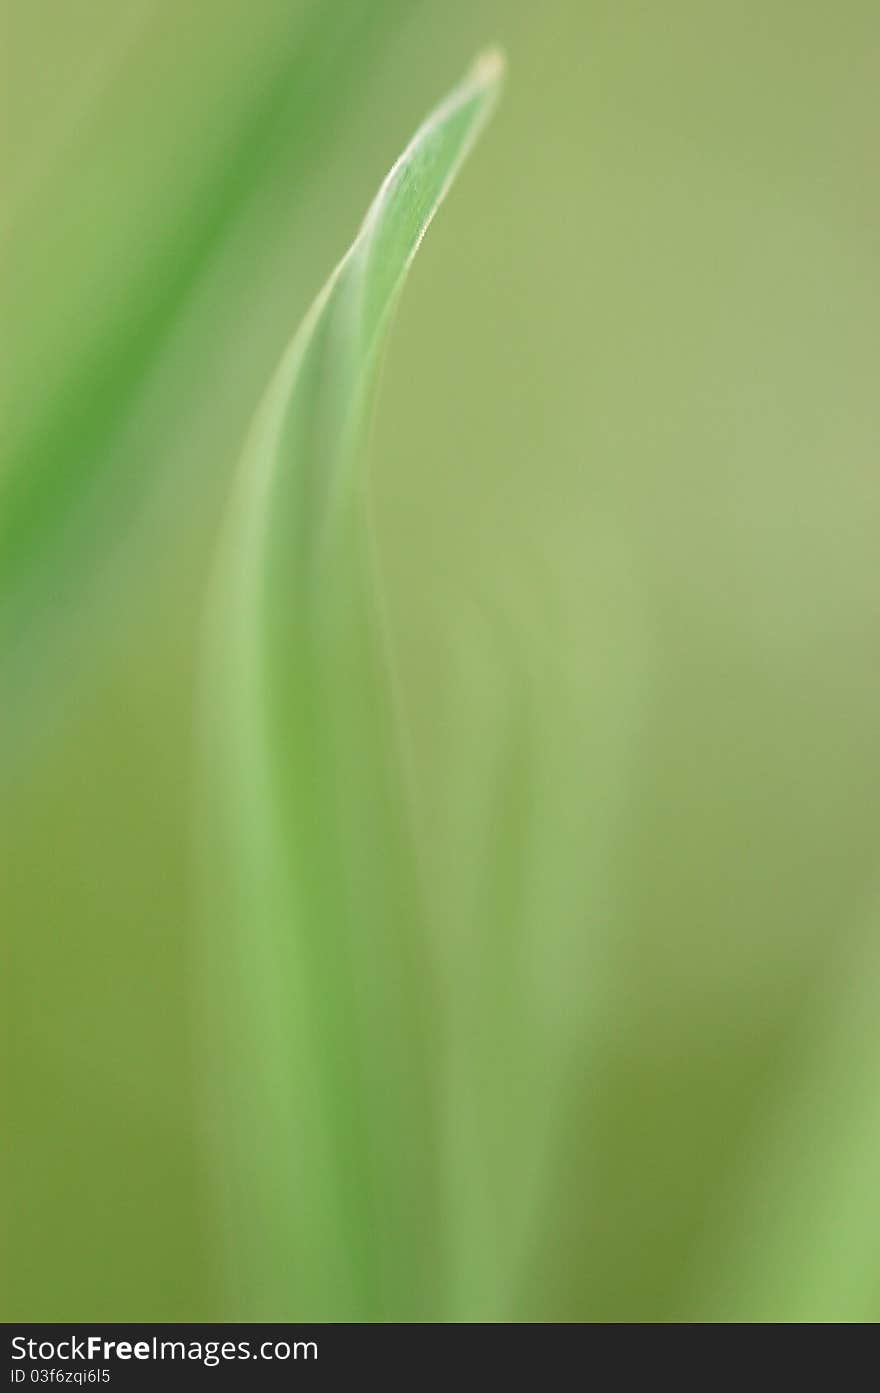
(109, 1216)
(49, 481)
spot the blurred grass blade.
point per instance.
(323, 996)
(102, 262)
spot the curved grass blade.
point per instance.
(68, 489)
(327, 1105)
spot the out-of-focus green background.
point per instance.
(627, 498)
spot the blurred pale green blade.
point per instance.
(117, 206)
(327, 1107)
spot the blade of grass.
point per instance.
(323, 988)
(63, 496)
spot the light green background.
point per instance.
(625, 472)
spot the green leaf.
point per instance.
(319, 990)
(100, 265)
